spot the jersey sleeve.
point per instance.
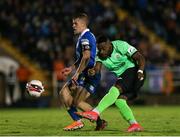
(126, 49)
(85, 43)
(97, 59)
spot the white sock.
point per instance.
(95, 110)
(132, 122)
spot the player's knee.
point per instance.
(67, 102)
(119, 88)
(123, 97)
(132, 97)
(63, 95)
(128, 96)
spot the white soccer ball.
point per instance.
(35, 88)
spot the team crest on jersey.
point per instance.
(117, 55)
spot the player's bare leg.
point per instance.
(67, 99)
(79, 99)
(65, 95)
(109, 99)
(105, 102)
(80, 102)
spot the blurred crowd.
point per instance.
(162, 16)
(42, 29)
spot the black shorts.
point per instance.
(129, 83)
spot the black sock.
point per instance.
(98, 120)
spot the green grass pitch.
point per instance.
(155, 120)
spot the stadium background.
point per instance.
(36, 42)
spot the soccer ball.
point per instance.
(35, 88)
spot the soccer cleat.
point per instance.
(75, 125)
(135, 128)
(90, 115)
(101, 125)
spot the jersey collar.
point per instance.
(83, 33)
(112, 48)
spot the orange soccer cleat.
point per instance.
(135, 128)
(75, 125)
(91, 115)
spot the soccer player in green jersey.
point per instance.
(128, 65)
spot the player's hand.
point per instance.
(91, 72)
(140, 75)
(67, 71)
(75, 78)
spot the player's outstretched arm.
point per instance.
(67, 70)
(138, 57)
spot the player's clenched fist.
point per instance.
(91, 72)
(66, 71)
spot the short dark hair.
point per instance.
(83, 16)
(102, 38)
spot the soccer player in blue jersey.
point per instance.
(81, 86)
